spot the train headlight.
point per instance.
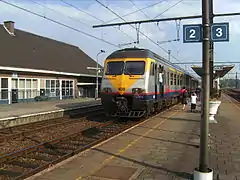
(107, 90)
(138, 90)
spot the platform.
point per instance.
(164, 147)
(19, 113)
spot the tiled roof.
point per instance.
(27, 50)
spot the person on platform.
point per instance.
(198, 92)
(184, 94)
(193, 101)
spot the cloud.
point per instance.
(163, 32)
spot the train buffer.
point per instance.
(164, 147)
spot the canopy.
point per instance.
(219, 70)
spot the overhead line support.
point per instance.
(165, 19)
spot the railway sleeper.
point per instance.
(51, 152)
(4, 172)
(78, 143)
(71, 146)
(22, 164)
(65, 147)
(41, 158)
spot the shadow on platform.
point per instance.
(178, 119)
(164, 140)
(179, 174)
(158, 129)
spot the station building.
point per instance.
(34, 67)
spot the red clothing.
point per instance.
(182, 91)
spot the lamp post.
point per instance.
(96, 92)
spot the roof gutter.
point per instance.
(44, 71)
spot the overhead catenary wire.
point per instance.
(140, 9)
(177, 25)
(59, 23)
(46, 7)
(89, 14)
(134, 28)
(170, 7)
(131, 1)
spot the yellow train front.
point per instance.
(137, 82)
(124, 84)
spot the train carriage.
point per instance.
(137, 82)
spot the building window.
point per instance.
(27, 88)
(21, 89)
(67, 87)
(52, 90)
(4, 88)
(53, 87)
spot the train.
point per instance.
(137, 82)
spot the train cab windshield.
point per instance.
(127, 68)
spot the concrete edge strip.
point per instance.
(95, 146)
(231, 98)
(233, 101)
(47, 112)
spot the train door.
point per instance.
(153, 81)
(156, 81)
(161, 80)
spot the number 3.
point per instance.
(192, 33)
(219, 32)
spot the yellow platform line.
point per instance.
(107, 160)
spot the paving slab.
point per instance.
(166, 147)
(225, 141)
(156, 148)
(20, 109)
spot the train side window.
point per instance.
(178, 79)
(152, 69)
(175, 79)
(155, 68)
(168, 78)
(171, 79)
(160, 69)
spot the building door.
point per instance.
(14, 95)
(42, 92)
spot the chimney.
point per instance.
(9, 26)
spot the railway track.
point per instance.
(9, 133)
(234, 93)
(30, 160)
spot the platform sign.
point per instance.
(220, 32)
(192, 33)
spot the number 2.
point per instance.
(219, 32)
(192, 33)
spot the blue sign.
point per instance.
(192, 33)
(220, 32)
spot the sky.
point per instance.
(81, 15)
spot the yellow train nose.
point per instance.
(121, 90)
